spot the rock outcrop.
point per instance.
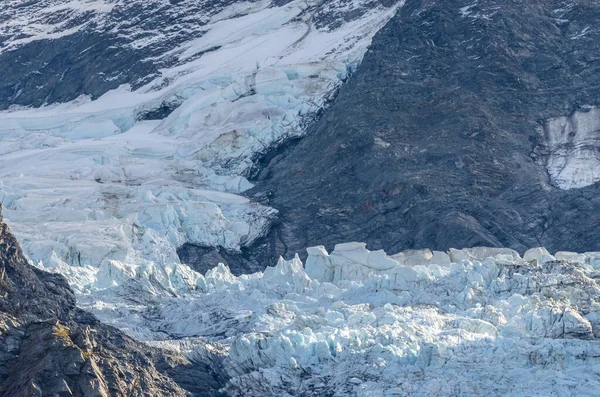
(48, 347)
(449, 135)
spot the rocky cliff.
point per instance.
(48, 347)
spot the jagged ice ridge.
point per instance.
(355, 322)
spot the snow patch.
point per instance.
(573, 144)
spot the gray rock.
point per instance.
(48, 347)
(437, 140)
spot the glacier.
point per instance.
(100, 191)
(481, 321)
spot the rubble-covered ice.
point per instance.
(358, 323)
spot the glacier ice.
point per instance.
(98, 193)
(357, 322)
(572, 143)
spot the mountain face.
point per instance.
(48, 347)
(54, 51)
(157, 157)
(467, 123)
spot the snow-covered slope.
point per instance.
(54, 51)
(572, 144)
(359, 323)
(103, 192)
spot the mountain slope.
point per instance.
(54, 51)
(468, 123)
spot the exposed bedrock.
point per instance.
(48, 347)
(444, 137)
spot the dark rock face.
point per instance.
(203, 258)
(48, 347)
(436, 140)
(91, 50)
(52, 71)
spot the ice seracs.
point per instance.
(357, 322)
